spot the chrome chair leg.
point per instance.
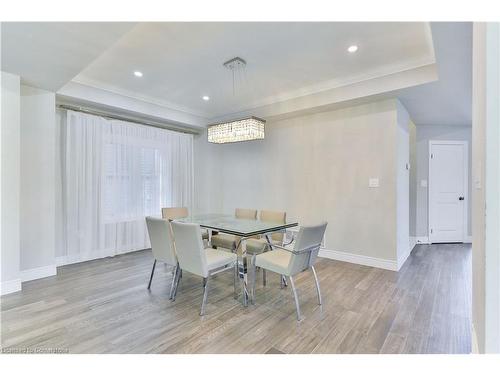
(176, 282)
(297, 306)
(317, 285)
(283, 282)
(264, 277)
(152, 273)
(205, 293)
(174, 278)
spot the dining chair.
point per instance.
(162, 246)
(172, 213)
(292, 261)
(259, 245)
(229, 241)
(194, 258)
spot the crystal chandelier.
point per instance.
(246, 129)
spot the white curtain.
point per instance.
(114, 174)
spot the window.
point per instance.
(132, 182)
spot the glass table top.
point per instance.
(240, 227)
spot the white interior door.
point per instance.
(448, 185)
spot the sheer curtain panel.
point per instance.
(114, 174)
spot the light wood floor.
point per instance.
(103, 306)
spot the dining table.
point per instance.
(243, 229)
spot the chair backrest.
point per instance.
(174, 212)
(307, 247)
(189, 246)
(161, 240)
(274, 217)
(245, 213)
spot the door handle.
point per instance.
(461, 198)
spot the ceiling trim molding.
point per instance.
(144, 98)
(75, 93)
(330, 99)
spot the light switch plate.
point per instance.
(423, 183)
(373, 182)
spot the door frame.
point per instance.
(465, 187)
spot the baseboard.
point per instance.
(38, 273)
(413, 243)
(78, 258)
(10, 286)
(403, 257)
(364, 260)
(424, 240)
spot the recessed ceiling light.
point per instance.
(352, 48)
(137, 73)
(206, 98)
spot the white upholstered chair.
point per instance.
(172, 213)
(256, 246)
(194, 258)
(162, 246)
(291, 261)
(229, 241)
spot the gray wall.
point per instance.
(425, 133)
(315, 167)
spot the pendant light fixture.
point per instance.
(245, 129)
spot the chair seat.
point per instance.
(256, 246)
(275, 261)
(227, 241)
(219, 258)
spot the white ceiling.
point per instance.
(292, 67)
(49, 54)
(182, 62)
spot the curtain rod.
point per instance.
(129, 119)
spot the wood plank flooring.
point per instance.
(103, 306)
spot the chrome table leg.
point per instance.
(254, 278)
(243, 271)
(235, 280)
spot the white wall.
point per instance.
(478, 192)
(402, 183)
(486, 187)
(207, 180)
(315, 167)
(10, 179)
(492, 187)
(425, 133)
(413, 181)
(38, 190)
